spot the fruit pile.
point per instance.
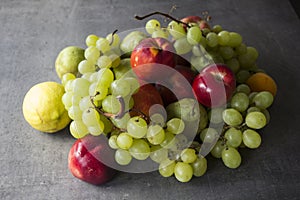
(161, 98)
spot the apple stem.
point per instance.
(119, 115)
(163, 14)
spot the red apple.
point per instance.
(214, 85)
(177, 85)
(146, 97)
(197, 20)
(150, 52)
(86, 157)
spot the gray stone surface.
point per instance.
(33, 165)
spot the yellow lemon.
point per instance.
(68, 59)
(43, 108)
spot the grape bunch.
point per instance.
(100, 100)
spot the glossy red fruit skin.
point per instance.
(196, 19)
(84, 160)
(149, 52)
(146, 97)
(214, 85)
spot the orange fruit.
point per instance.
(262, 82)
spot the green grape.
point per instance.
(134, 84)
(115, 59)
(241, 49)
(212, 39)
(263, 99)
(182, 46)
(199, 62)
(256, 120)
(251, 139)
(217, 149)
(122, 157)
(161, 33)
(175, 125)
(93, 77)
(244, 88)
(104, 62)
(199, 167)
(111, 104)
(226, 52)
(121, 122)
(137, 127)
(242, 76)
(78, 129)
(92, 54)
(176, 30)
(251, 96)
(233, 137)
(183, 171)
(86, 66)
(209, 135)
(123, 69)
(232, 117)
(194, 35)
(235, 39)
(233, 64)
(198, 50)
(215, 115)
(158, 154)
(157, 118)
(246, 60)
(112, 142)
(76, 99)
(253, 109)
(85, 103)
(217, 28)
(87, 76)
(103, 45)
(181, 141)
(69, 86)
(98, 91)
(267, 114)
(169, 140)
(231, 158)
(105, 77)
(74, 112)
(91, 40)
(223, 38)
(152, 25)
(81, 87)
(113, 39)
(90, 117)
(120, 87)
(155, 134)
(96, 129)
(140, 149)
(66, 77)
(240, 101)
(188, 155)
(124, 140)
(166, 168)
(253, 53)
(67, 99)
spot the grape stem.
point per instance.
(112, 37)
(163, 14)
(119, 115)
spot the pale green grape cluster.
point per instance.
(245, 114)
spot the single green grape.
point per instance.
(90, 117)
(91, 40)
(251, 139)
(175, 125)
(209, 135)
(240, 101)
(122, 157)
(263, 99)
(66, 77)
(223, 38)
(183, 171)
(112, 142)
(155, 134)
(188, 155)
(158, 154)
(140, 149)
(194, 35)
(78, 129)
(217, 149)
(137, 127)
(212, 39)
(244, 88)
(152, 25)
(231, 158)
(124, 140)
(256, 120)
(96, 129)
(182, 46)
(166, 168)
(111, 104)
(232, 117)
(74, 112)
(233, 137)
(235, 39)
(199, 166)
(92, 54)
(103, 45)
(176, 30)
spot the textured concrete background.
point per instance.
(33, 165)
